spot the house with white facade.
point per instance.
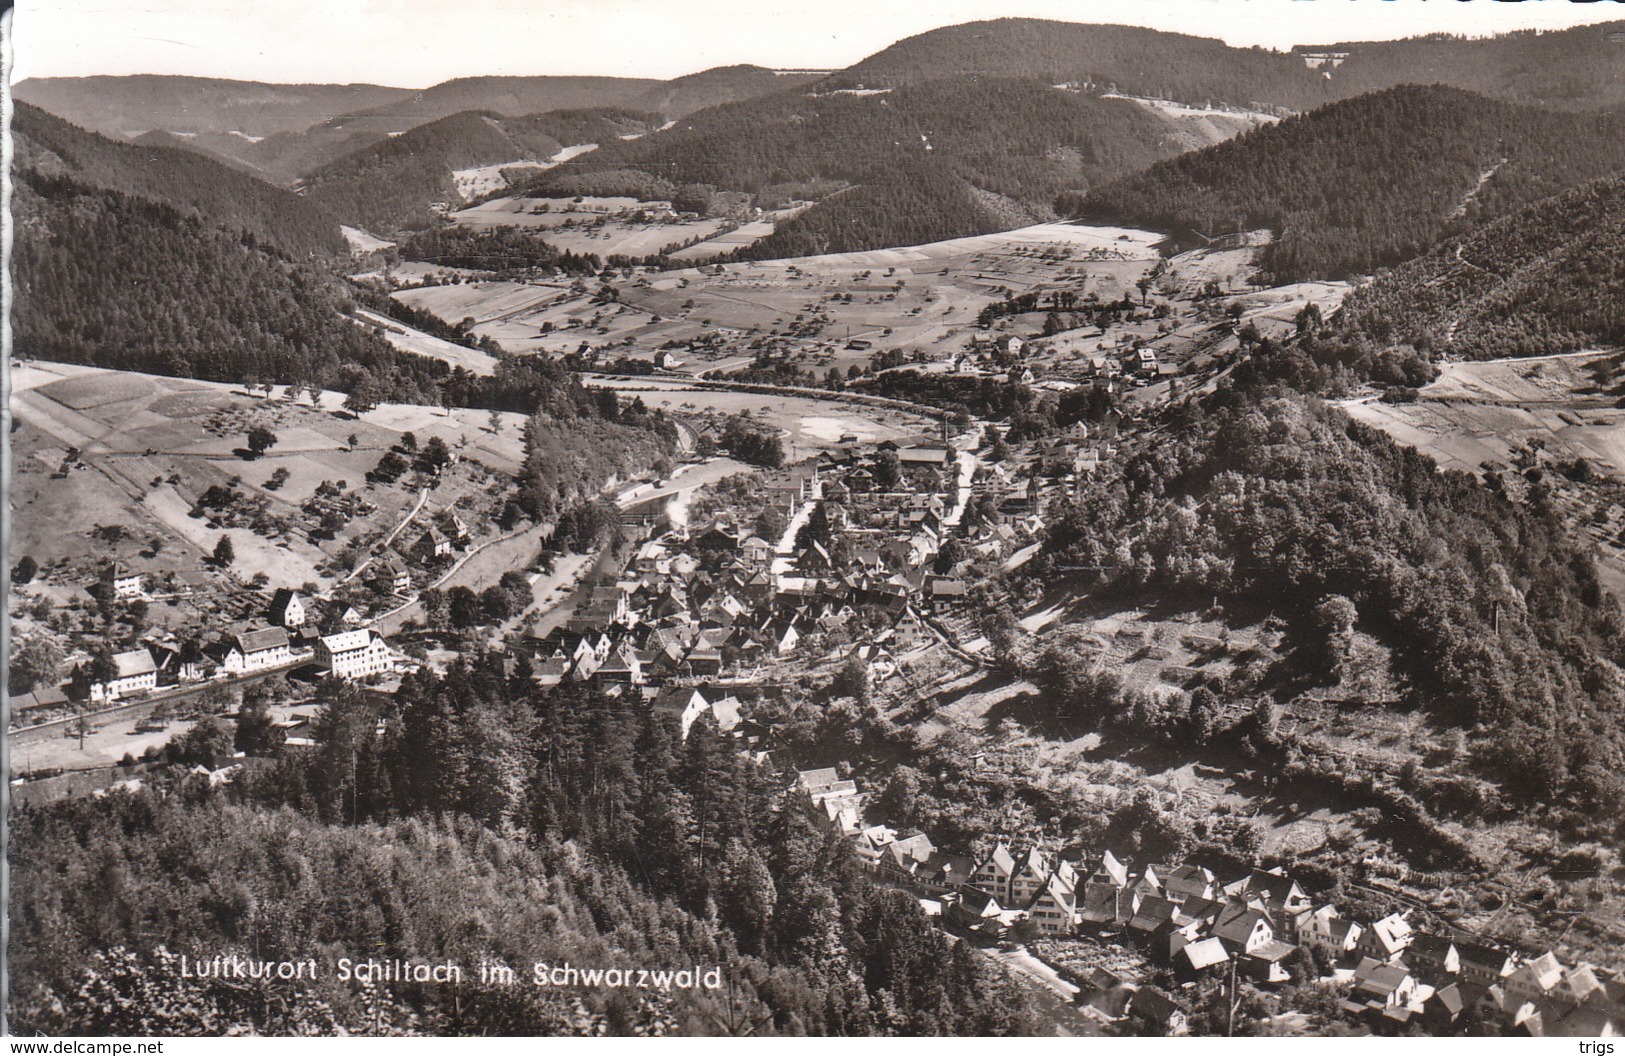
(355, 654)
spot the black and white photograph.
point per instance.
(1072, 519)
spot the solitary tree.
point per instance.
(224, 552)
(436, 455)
(260, 440)
(463, 606)
(24, 570)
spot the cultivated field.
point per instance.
(1545, 415)
(920, 298)
(808, 425)
(149, 446)
(1476, 414)
(486, 179)
(407, 339)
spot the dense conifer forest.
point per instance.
(1571, 69)
(1138, 61)
(495, 249)
(1342, 200)
(492, 821)
(114, 281)
(1548, 278)
(185, 181)
(921, 152)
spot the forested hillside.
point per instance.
(1576, 69)
(492, 820)
(1582, 68)
(1341, 196)
(390, 184)
(1263, 497)
(1548, 278)
(920, 152)
(681, 96)
(290, 155)
(115, 281)
(1134, 60)
(185, 181)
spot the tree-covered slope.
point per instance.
(1267, 499)
(184, 180)
(490, 820)
(1581, 68)
(919, 155)
(111, 280)
(1368, 182)
(126, 107)
(682, 96)
(1138, 61)
(391, 183)
(1548, 278)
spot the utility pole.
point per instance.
(1234, 999)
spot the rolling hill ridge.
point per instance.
(392, 183)
(1343, 201)
(925, 161)
(185, 180)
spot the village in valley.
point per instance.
(240, 550)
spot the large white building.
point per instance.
(136, 672)
(355, 654)
(256, 651)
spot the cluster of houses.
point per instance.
(391, 572)
(297, 632)
(987, 351)
(1186, 917)
(709, 600)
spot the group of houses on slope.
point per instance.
(297, 632)
(413, 558)
(1254, 925)
(713, 600)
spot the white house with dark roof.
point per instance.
(1387, 938)
(256, 651)
(128, 584)
(136, 672)
(288, 609)
(355, 654)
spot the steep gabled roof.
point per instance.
(261, 640)
(1001, 859)
(1205, 953)
(134, 663)
(1110, 870)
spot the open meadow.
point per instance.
(145, 449)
